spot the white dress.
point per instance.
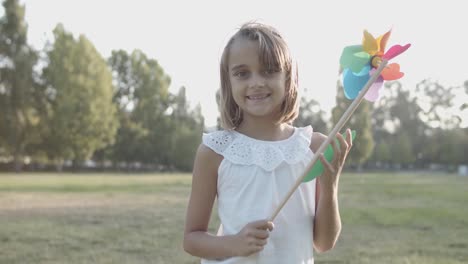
(253, 178)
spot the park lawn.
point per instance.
(112, 218)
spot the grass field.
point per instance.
(84, 218)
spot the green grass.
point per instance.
(109, 218)
(402, 218)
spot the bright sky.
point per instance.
(187, 37)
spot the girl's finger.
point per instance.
(261, 224)
(349, 138)
(259, 233)
(343, 144)
(336, 150)
(257, 249)
(261, 242)
(325, 163)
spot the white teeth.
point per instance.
(257, 97)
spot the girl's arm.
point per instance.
(197, 241)
(327, 223)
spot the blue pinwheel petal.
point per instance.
(353, 83)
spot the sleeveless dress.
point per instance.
(253, 177)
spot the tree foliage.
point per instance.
(67, 103)
(81, 117)
(187, 126)
(18, 105)
(157, 127)
(438, 103)
(310, 113)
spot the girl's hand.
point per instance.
(330, 177)
(252, 238)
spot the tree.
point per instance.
(359, 121)
(439, 102)
(142, 96)
(452, 147)
(464, 106)
(81, 116)
(402, 151)
(382, 129)
(398, 113)
(382, 153)
(310, 113)
(187, 127)
(158, 129)
(19, 118)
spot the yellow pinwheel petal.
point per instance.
(382, 42)
(369, 43)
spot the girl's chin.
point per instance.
(260, 112)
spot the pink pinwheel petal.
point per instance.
(395, 51)
(374, 91)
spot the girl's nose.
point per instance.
(257, 81)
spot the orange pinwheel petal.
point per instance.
(382, 42)
(392, 72)
(369, 43)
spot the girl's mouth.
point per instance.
(257, 97)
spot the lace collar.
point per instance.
(244, 150)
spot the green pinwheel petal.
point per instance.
(354, 57)
(361, 59)
(318, 169)
(347, 55)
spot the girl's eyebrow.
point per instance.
(235, 67)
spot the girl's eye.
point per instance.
(271, 71)
(241, 74)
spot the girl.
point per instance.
(250, 166)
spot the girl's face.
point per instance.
(257, 90)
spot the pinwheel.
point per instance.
(360, 61)
(364, 71)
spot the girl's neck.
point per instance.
(265, 130)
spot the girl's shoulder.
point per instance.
(243, 150)
(218, 140)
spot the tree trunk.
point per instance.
(59, 166)
(17, 162)
(359, 167)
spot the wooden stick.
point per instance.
(332, 135)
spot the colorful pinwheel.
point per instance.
(359, 62)
(365, 67)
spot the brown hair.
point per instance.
(274, 53)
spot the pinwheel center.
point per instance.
(375, 61)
